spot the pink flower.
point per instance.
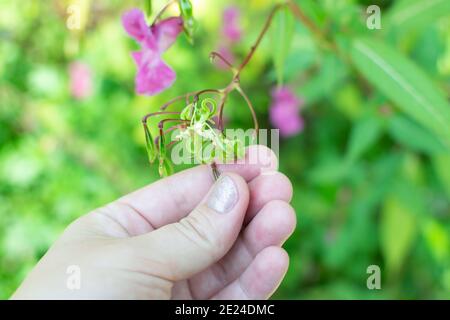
(285, 112)
(153, 74)
(231, 28)
(80, 80)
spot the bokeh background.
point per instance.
(371, 181)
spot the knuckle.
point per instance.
(200, 230)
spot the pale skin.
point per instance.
(165, 242)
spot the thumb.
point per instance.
(179, 250)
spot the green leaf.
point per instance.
(150, 144)
(363, 136)
(188, 18)
(409, 14)
(437, 240)
(442, 168)
(397, 233)
(148, 7)
(332, 75)
(399, 79)
(282, 31)
(165, 167)
(413, 136)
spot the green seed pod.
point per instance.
(149, 144)
(209, 104)
(188, 19)
(165, 167)
(162, 147)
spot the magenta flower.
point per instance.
(285, 112)
(80, 80)
(231, 28)
(153, 74)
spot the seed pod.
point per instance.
(149, 144)
(165, 167)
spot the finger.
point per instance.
(260, 279)
(179, 250)
(270, 227)
(265, 188)
(170, 199)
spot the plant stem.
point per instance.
(176, 99)
(187, 96)
(302, 17)
(168, 130)
(164, 9)
(220, 113)
(258, 40)
(298, 14)
(161, 128)
(250, 106)
(199, 93)
(215, 54)
(215, 171)
(162, 122)
(144, 119)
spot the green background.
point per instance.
(371, 170)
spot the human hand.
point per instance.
(183, 237)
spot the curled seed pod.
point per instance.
(210, 104)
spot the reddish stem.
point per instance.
(199, 93)
(260, 37)
(215, 54)
(164, 9)
(187, 96)
(168, 130)
(220, 113)
(250, 106)
(161, 128)
(159, 113)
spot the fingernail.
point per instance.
(224, 196)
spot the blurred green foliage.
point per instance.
(371, 171)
